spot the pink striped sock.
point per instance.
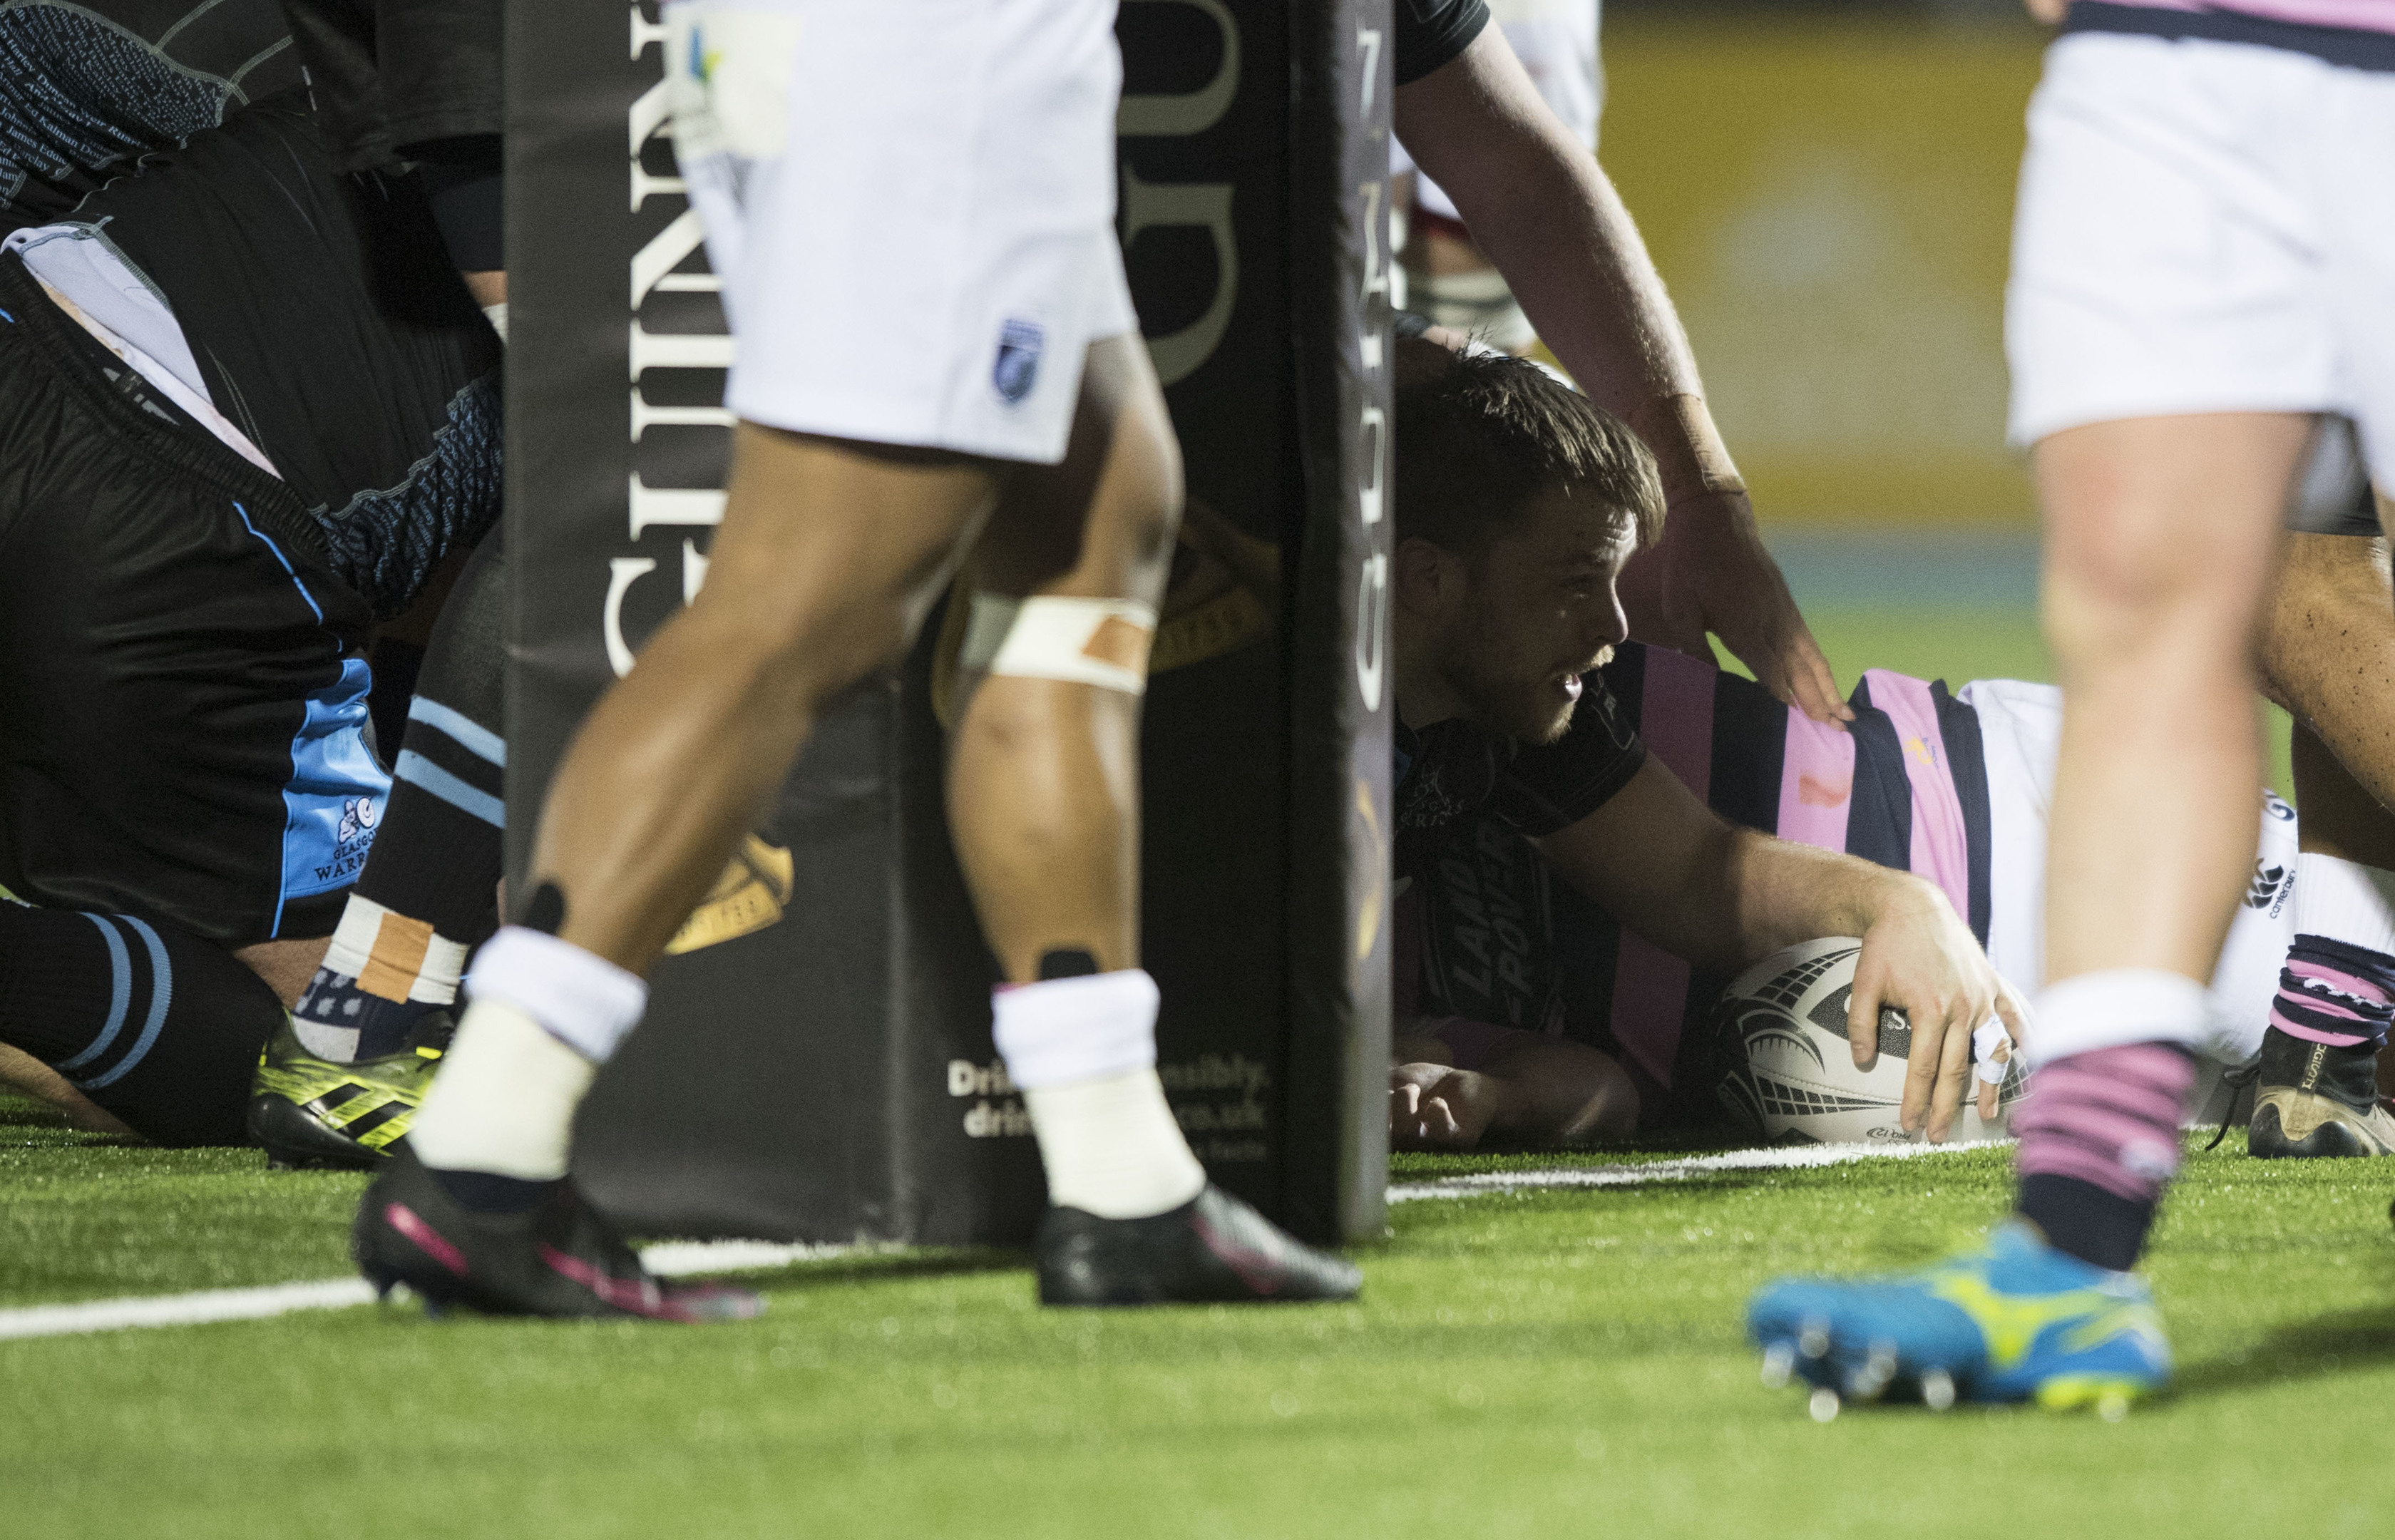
(2335, 993)
(2108, 1117)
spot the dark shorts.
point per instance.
(182, 689)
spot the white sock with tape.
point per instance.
(2114, 1008)
(1083, 1049)
(504, 1099)
(2345, 901)
(545, 1014)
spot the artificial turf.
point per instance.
(1545, 1362)
(1530, 1363)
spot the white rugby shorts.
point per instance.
(2203, 227)
(911, 204)
(2020, 735)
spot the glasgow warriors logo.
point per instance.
(1018, 360)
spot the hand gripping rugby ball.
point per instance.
(1788, 1075)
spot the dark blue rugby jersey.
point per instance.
(1429, 33)
(86, 88)
(1486, 933)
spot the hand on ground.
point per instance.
(1433, 1106)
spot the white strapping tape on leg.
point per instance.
(1100, 642)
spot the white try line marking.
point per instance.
(681, 1258)
(1637, 1172)
(669, 1259)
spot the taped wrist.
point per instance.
(1100, 642)
(1689, 449)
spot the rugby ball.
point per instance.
(1787, 1074)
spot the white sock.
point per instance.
(546, 1015)
(394, 956)
(498, 316)
(2113, 1007)
(2345, 901)
(1083, 1049)
(504, 1099)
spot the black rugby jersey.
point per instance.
(1429, 33)
(1452, 769)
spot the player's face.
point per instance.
(1540, 611)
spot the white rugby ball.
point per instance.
(1787, 1074)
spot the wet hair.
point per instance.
(1479, 436)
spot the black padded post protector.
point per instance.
(817, 1061)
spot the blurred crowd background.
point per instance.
(1827, 186)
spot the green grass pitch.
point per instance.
(1532, 1365)
(1540, 1364)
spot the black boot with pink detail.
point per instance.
(1212, 1250)
(555, 1258)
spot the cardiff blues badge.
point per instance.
(1018, 360)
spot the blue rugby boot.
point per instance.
(2013, 1321)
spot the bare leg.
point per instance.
(820, 575)
(2159, 542)
(2160, 533)
(2328, 656)
(286, 965)
(1043, 785)
(24, 1072)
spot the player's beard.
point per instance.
(1528, 709)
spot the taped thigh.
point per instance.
(1100, 642)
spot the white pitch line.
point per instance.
(668, 1259)
(186, 1310)
(681, 1258)
(1635, 1173)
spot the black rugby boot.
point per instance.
(2315, 1099)
(557, 1258)
(1212, 1250)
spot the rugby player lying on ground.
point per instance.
(1519, 500)
(1527, 1014)
(238, 426)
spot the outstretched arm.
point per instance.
(1526, 1089)
(1723, 898)
(1546, 215)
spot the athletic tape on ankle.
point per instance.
(578, 997)
(1100, 642)
(2116, 1008)
(393, 956)
(1065, 1030)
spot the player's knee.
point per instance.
(2103, 604)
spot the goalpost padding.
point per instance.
(818, 1063)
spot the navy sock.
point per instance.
(155, 1026)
